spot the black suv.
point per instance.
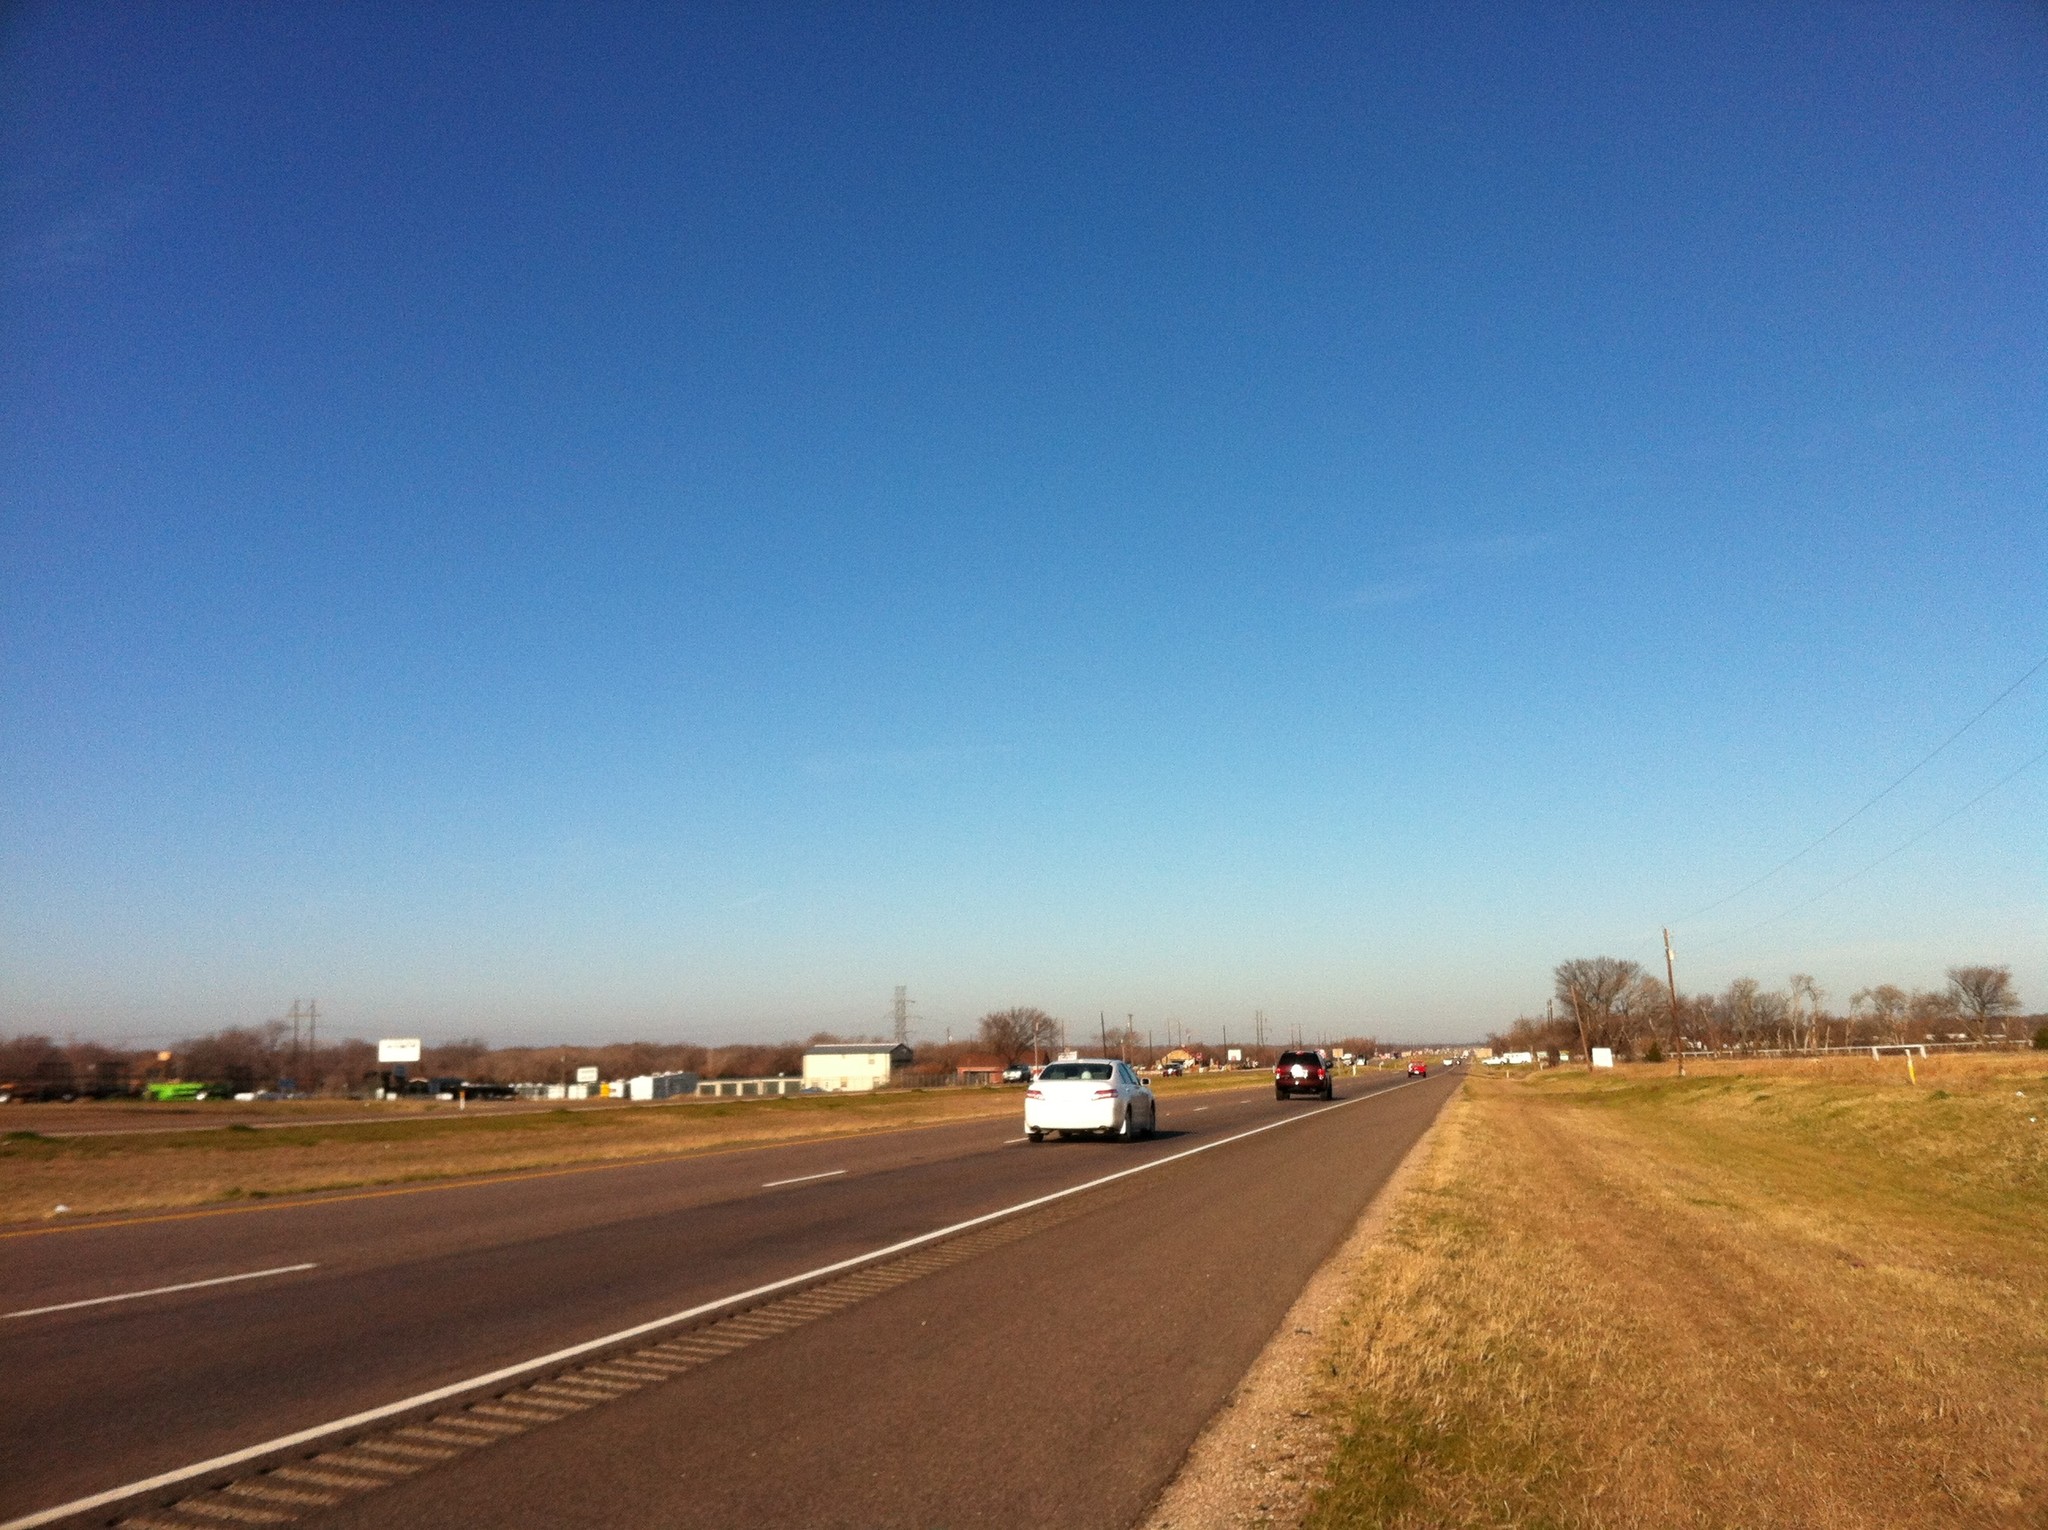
(1303, 1073)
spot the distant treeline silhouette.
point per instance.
(1605, 1001)
(270, 1056)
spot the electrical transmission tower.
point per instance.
(901, 1013)
(1258, 1027)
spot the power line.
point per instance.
(1800, 854)
(1895, 850)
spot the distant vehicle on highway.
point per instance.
(1017, 1073)
(1418, 1070)
(176, 1089)
(1090, 1094)
(1303, 1073)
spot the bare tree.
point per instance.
(1982, 995)
(1593, 987)
(1802, 990)
(1886, 1005)
(1934, 1015)
(1741, 1008)
(1017, 1034)
(1644, 1009)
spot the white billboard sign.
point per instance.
(586, 1075)
(1603, 1057)
(395, 1049)
(1234, 1054)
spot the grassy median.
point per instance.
(1797, 1294)
(160, 1171)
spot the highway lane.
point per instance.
(416, 1285)
(414, 1291)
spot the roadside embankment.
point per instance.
(1781, 1293)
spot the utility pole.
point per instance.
(1671, 982)
(313, 1039)
(295, 1045)
(902, 1015)
(1102, 1029)
(1130, 1030)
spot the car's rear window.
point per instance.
(1288, 1059)
(1096, 1072)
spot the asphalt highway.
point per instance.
(1056, 1377)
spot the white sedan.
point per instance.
(1090, 1094)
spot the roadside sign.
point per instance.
(586, 1075)
(1603, 1057)
(398, 1049)
(1234, 1054)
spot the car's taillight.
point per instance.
(1034, 1094)
(1105, 1094)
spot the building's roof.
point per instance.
(981, 1062)
(855, 1049)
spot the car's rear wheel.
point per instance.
(1126, 1128)
(1036, 1136)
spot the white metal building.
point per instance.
(852, 1065)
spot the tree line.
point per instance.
(273, 1055)
(269, 1056)
(1607, 1001)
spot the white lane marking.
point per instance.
(1201, 1107)
(638, 1330)
(801, 1179)
(190, 1285)
(1008, 1140)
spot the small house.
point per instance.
(980, 1069)
(852, 1066)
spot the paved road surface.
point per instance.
(1055, 1375)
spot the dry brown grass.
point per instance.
(146, 1173)
(155, 1172)
(1775, 1294)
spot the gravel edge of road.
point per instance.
(1258, 1460)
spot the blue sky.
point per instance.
(598, 521)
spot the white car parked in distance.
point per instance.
(1090, 1094)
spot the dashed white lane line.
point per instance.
(802, 1179)
(652, 1325)
(1007, 1141)
(189, 1285)
(1201, 1107)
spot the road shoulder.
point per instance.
(1259, 1459)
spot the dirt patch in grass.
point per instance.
(1781, 1294)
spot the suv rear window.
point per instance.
(1094, 1072)
(1309, 1059)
